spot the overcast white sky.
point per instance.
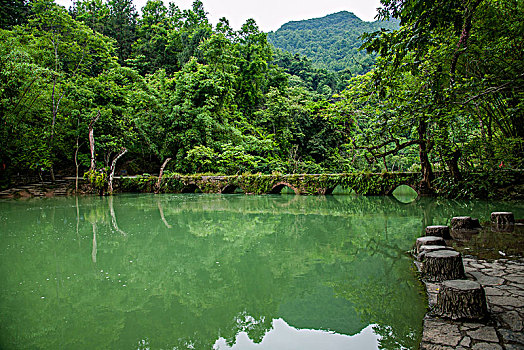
(271, 14)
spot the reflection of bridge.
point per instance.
(361, 183)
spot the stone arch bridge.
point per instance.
(302, 184)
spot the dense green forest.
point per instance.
(332, 42)
(445, 94)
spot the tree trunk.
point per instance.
(54, 111)
(461, 299)
(161, 174)
(443, 265)
(452, 163)
(92, 140)
(463, 41)
(112, 171)
(76, 166)
(425, 164)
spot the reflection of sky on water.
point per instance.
(284, 337)
(405, 194)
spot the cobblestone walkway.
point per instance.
(503, 282)
(41, 189)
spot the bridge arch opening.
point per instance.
(283, 188)
(404, 194)
(232, 189)
(341, 190)
(192, 188)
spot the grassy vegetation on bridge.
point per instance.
(498, 184)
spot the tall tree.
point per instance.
(440, 44)
(13, 13)
(52, 50)
(122, 26)
(117, 19)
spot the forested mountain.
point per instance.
(331, 42)
(446, 93)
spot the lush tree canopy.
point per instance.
(449, 81)
(445, 93)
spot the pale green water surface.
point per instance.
(215, 272)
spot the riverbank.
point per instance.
(500, 271)
(61, 187)
(503, 282)
(499, 185)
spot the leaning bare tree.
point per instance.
(112, 170)
(92, 140)
(157, 189)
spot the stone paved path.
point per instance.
(503, 282)
(41, 189)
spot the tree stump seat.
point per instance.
(428, 240)
(464, 223)
(502, 218)
(423, 250)
(438, 231)
(443, 265)
(461, 299)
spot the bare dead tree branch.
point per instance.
(398, 146)
(92, 140)
(464, 36)
(161, 174)
(112, 170)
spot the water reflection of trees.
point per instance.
(432, 210)
(193, 268)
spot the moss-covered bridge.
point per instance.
(303, 184)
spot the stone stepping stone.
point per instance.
(461, 299)
(461, 222)
(428, 240)
(443, 265)
(423, 250)
(502, 222)
(438, 231)
(502, 218)
(464, 223)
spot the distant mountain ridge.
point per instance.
(340, 19)
(331, 42)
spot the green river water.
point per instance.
(199, 271)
